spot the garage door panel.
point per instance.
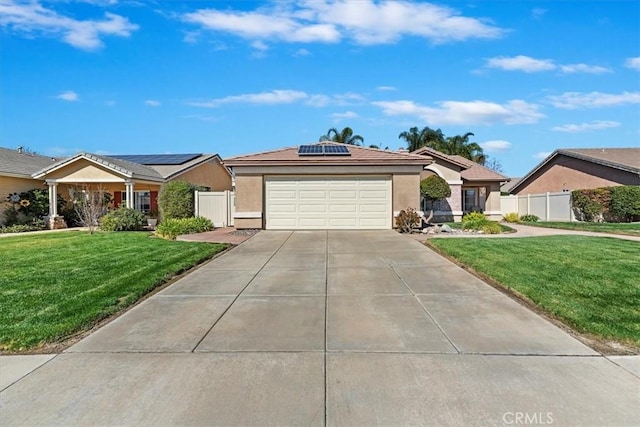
(343, 194)
(370, 208)
(328, 202)
(283, 208)
(342, 208)
(312, 208)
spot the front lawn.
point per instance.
(591, 283)
(56, 284)
(628, 228)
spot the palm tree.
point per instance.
(346, 136)
(427, 137)
(460, 145)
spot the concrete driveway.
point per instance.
(325, 328)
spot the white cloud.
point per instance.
(633, 63)
(346, 115)
(260, 45)
(33, 18)
(538, 13)
(542, 155)
(283, 96)
(521, 63)
(366, 22)
(386, 88)
(68, 95)
(496, 146)
(273, 97)
(584, 68)
(301, 52)
(577, 100)
(152, 103)
(586, 127)
(465, 113)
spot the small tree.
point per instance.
(434, 188)
(90, 203)
(176, 199)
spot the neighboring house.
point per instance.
(325, 186)
(575, 169)
(16, 167)
(508, 186)
(133, 180)
(473, 186)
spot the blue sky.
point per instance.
(138, 77)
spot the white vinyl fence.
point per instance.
(218, 206)
(546, 206)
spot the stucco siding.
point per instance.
(9, 184)
(445, 170)
(210, 174)
(406, 191)
(84, 171)
(565, 174)
(249, 201)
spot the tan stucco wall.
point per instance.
(211, 174)
(9, 184)
(446, 170)
(566, 174)
(406, 191)
(249, 199)
(493, 204)
(84, 170)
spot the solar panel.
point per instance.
(323, 150)
(336, 150)
(310, 150)
(157, 159)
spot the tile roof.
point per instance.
(358, 156)
(472, 171)
(129, 169)
(626, 159)
(23, 164)
(620, 158)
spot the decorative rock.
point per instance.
(445, 228)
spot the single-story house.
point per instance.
(473, 186)
(16, 168)
(132, 180)
(325, 186)
(582, 168)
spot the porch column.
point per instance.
(129, 191)
(53, 198)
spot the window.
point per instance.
(470, 199)
(141, 200)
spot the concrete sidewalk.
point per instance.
(326, 328)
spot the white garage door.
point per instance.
(300, 203)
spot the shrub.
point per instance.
(173, 227)
(407, 220)
(176, 199)
(625, 202)
(529, 218)
(123, 219)
(491, 227)
(474, 216)
(590, 205)
(512, 217)
(35, 225)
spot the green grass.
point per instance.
(632, 229)
(591, 283)
(56, 284)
